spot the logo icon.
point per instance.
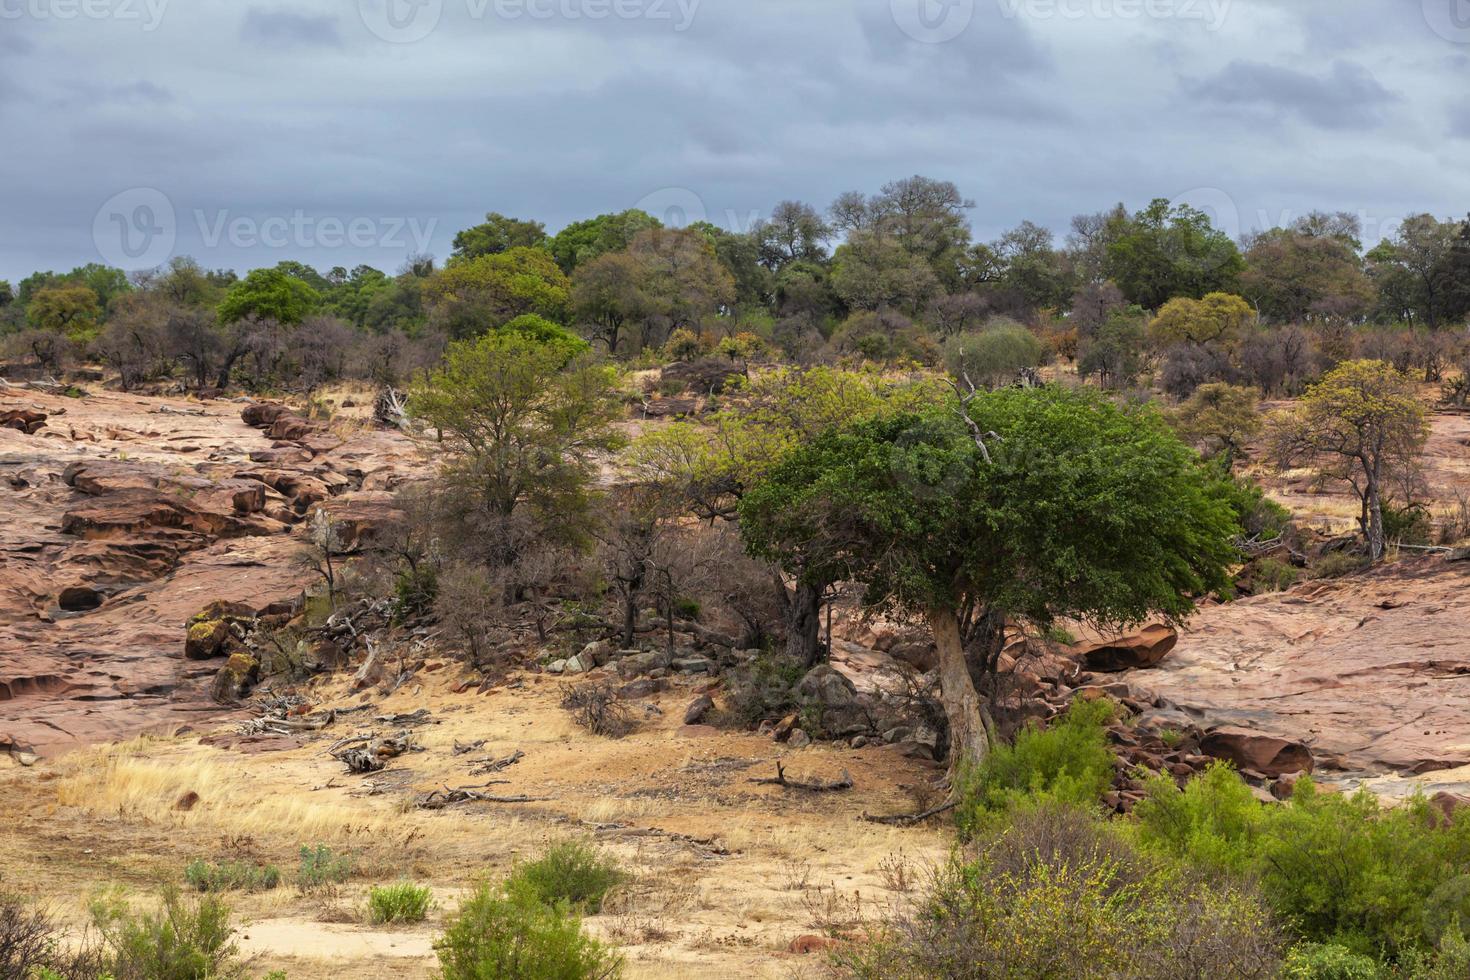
(400, 21)
(136, 229)
(1450, 19)
(932, 21)
(676, 207)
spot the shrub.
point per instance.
(180, 941)
(507, 931)
(993, 357)
(1337, 564)
(597, 707)
(403, 902)
(571, 872)
(1214, 821)
(1273, 575)
(1069, 761)
(320, 866)
(27, 937)
(1313, 961)
(205, 876)
(1061, 893)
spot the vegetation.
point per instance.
(571, 873)
(508, 931)
(401, 902)
(321, 866)
(207, 876)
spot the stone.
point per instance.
(599, 652)
(235, 679)
(643, 687)
(25, 420)
(697, 709)
(694, 665)
(798, 739)
(897, 734)
(803, 945)
(1146, 648)
(859, 741)
(556, 667)
(1268, 755)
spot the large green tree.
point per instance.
(474, 295)
(1019, 505)
(1166, 251)
(496, 234)
(269, 294)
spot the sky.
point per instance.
(339, 132)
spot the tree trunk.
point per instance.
(1376, 543)
(969, 743)
(804, 625)
(634, 587)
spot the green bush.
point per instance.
(403, 902)
(508, 931)
(1345, 870)
(1260, 517)
(225, 876)
(1273, 575)
(1337, 564)
(180, 941)
(1069, 760)
(571, 872)
(1060, 892)
(1314, 961)
(321, 866)
(764, 688)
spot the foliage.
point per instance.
(321, 866)
(482, 293)
(1114, 352)
(764, 688)
(401, 902)
(73, 311)
(1318, 961)
(269, 294)
(507, 931)
(992, 357)
(1273, 575)
(180, 941)
(1166, 251)
(572, 873)
(1260, 517)
(1215, 317)
(1069, 761)
(1220, 418)
(547, 333)
(497, 234)
(1059, 892)
(206, 876)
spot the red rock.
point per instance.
(1146, 648)
(24, 420)
(1267, 755)
(802, 945)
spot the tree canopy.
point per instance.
(269, 294)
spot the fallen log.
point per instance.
(441, 798)
(780, 780)
(909, 819)
(487, 765)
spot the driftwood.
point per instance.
(488, 765)
(440, 798)
(467, 749)
(780, 780)
(710, 845)
(419, 717)
(909, 819)
(373, 756)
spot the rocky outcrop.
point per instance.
(1265, 754)
(1146, 648)
(27, 420)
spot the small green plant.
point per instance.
(206, 876)
(320, 866)
(180, 941)
(402, 902)
(1313, 961)
(1170, 736)
(1273, 575)
(1337, 564)
(1060, 636)
(764, 688)
(572, 872)
(1068, 761)
(508, 931)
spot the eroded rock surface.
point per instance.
(125, 516)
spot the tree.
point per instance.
(994, 356)
(1069, 506)
(1220, 418)
(1218, 317)
(794, 232)
(605, 298)
(1166, 251)
(1362, 424)
(872, 271)
(474, 295)
(133, 340)
(680, 280)
(1114, 352)
(520, 428)
(72, 311)
(269, 294)
(1292, 274)
(1404, 268)
(497, 234)
(582, 241)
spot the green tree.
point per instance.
(1218, 317)
(1294, 273)
(1405, 266)
(1115, 350)
(992, 357)
(269, 294)
(520, 428)
(1362, 424)
(478, 294)
(1220, 418)
(871, 271)
(1067, 506)
(71, 310)
(1166, 251)
(582, 241)
(496, 234)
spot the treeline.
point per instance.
(892, 276)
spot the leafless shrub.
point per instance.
(831, 911)
(597, 708)
(898, 873)
(796, 875)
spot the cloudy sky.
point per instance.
(344, 131)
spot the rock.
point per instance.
(784, 728)
(635, 664)
(798, 739)
(187, 801)
(694, 665)
(262, 415)
(557, 667)
(697, 709)
(235, 679)
(25, 420)
(205, 639)
(923, 657)
(897, 734)
(1449, 803)
(642, 688)
(1249, 750)
(1145, 648)
(802, 945)
(928, 738)
(578, 664)
(599, 652)
(859, 741)
(707, 376)
(835, 696)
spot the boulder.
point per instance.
(1265, 754)
(599, 652)
(835, 696)
(798, 739)
(263, 414)
(235, 679)
(697, 709)
(22, 419)
(1146, 648)
(707, 376)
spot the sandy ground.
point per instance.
(726, 873)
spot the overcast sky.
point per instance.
(347, 131)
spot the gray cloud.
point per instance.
(270, 27)
(1346, 96)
